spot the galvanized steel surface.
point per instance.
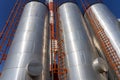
(30, 45)
(109, 25)
(119, 21)
(78, 49)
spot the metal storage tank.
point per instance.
(106, 31)
(78, 49)
(119, 21)
(27, 58)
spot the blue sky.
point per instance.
(6, 6)
(114, 6)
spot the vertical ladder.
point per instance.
(62, 70)
(106, 45)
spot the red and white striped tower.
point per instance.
(52, 38)
(53, 41)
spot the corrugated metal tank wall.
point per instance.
(28, 55)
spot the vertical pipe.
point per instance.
(52, 37)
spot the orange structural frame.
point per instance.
(58, 69)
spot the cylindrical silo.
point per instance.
(106, 31)
(78, 49)
(119, 21)
(27, 58)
